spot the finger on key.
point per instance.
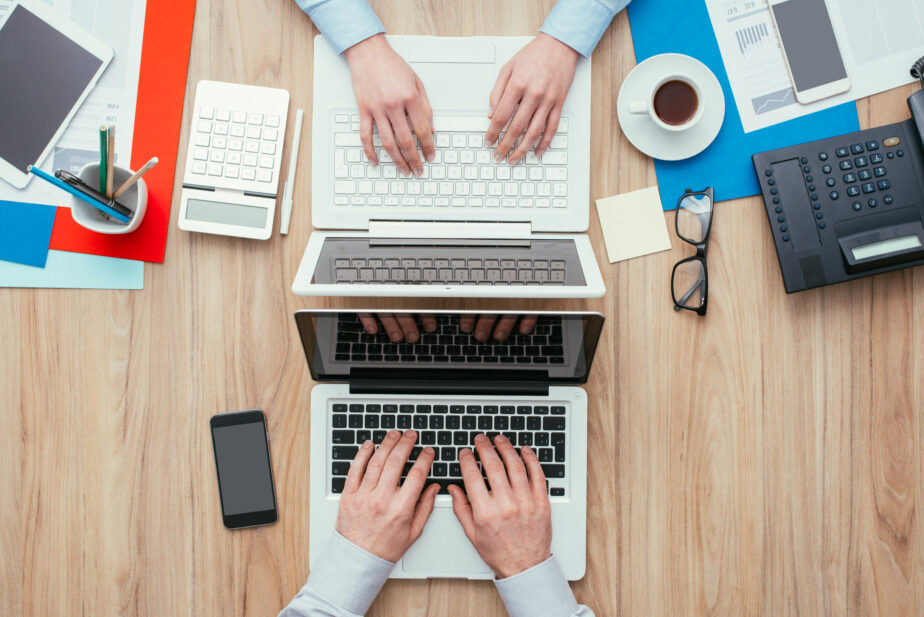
(408, 327)
(551, 126)
(492, 464)
(516, 127)
(466, 323)
(406, 143)
(502, 331)
(365, 135)
(536, 475)
(428, 321)
(528, 323)
(533, 135)
(394, 464)
(516, 471)
(417, 476)
(391, 327)
(387, 135)
(502, 112)
(377, 462)
(422, 128)
(484, 327)
(471, 476)
(355, 475)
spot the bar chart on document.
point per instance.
(879, 41)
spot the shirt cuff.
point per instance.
(348, 576)
(343, 23)
(579, 24)
(541, 591)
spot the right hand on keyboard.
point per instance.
(375, 513)
(510, 526)
(400, 327)
(498, 325)
(390, 95)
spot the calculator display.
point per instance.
(225, 213)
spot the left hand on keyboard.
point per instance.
(400, 327)
(534, 85)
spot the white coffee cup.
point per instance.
(648, 107)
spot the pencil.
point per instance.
(103, 158)
(134, 178)
(110, 160)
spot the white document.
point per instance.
(879, 41)
(120, 23)
(633, 224)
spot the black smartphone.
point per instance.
(245, 475)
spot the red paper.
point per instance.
(158, 116)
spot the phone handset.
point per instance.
(916, 100)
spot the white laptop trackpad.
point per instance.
(443, 550)
(457, 73)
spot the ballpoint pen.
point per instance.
(86, 189)
(102, 207)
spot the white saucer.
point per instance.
(650, 138)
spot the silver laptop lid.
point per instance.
(477, 346)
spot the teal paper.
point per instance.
(66, 270)
(25, 231)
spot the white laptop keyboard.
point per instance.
(462, 174)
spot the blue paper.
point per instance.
(680, 26)
(67, 270)
(25, 232)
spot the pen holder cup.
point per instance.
(135, 199)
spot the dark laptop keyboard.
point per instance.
(543, 346)
(448, 428)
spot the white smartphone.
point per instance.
(813, 57)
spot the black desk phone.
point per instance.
(849, 206)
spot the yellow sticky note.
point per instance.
(633, 224)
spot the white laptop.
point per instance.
(469, 227)
(444, 388)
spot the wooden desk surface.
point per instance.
(764, 460)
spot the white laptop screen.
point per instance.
(544, 347)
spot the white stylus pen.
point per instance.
(290, 182)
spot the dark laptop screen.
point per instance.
(547, 347)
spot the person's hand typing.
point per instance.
(530, 91)
(500, 326)
(375, 513)
(400, 327)
(390, 96)
(511, 524)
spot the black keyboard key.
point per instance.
(545, 455)
(439, 470)
(524, 409)
(457, 409)
(553, 424)
(441, 408)
(469, 423)
(355, 421)
(423, 408)
(390, 408)
(344, 453)
(518, 423)
(460, 438)
(533, 423)
(372, 422)
(428, 438)
(473, 409)
(340, 468)
(491, 409)
(444, 438)
(420, 422)
(525, 439)
(558, 491)
(436, 422)
(453, 422)
(357, 408)
(448, 454)
(542, 439)
(337, 484)
(373, 408)
(551, 470)
(484, 423)
(343, 437)
(511, 436)
(502, 423)
(455, 470)
(388, 422)
(541, 410)
(507, 409)
(407, 409)
(404, 422)
(339, 420)
(340, 407)
(378, 436)
(415, 452)
(362, 436)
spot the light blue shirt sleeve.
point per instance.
(579, 24)
(343, 23)
(346, 580)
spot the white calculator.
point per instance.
(232, 166)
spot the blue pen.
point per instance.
(82, 196)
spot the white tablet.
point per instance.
(48, 65)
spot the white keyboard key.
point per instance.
(475, 141)
(354, 126)
(511, 189)
(471, 173)
(357, 200)
(526, 202)
(438, 172)
(531, 158)
(235, 144)
(198, 167)
(250, 160)
(357, 171)
(397, 187)
(341, 171)
(487, 173)
(270, 134)
(248, 174)
(223, 115)
(556, 173)
(476, 202)
(519, 172)
(559, 142)
(347, 187)
(341, 118)
(232, 172)
(425, 201)
(445, 188)
(562, 125)
(495, 188)
(220, 142)
(217, 156)
(221, 128)
(381, 187)
(234, 158)
(457, 202)
(254, 132)
(268, 148)
(200, 154)
(391, 200)
(535, 173)
(206, 113)
(461, 124)
(252, 146)
(413, 187)
(237, 130)
(442, 140)
(555, 157)
(266, 162)
(374, 200)
(374, 172)
(527, 189)
(479, 188)
(341, 200)
(376, 140)
(544, 189)
(273, 121)
(408, 201)
(462, 188)
(503, 172)
(467, 157)
(389, 171)
(354, 118)
(459, 141)
(202, 140)
(205, 126)
(255, 119)
(483, 157)
(559, 189)
(492, 202)
(239, 116)
(441, 201)
(509, 202)
(354, 155)
(437, 157)
(429, 188)
(265, 175)
(454, 173)
(347, 139)
(451, 157)
(559, 203)
(215, 169)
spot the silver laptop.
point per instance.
(470, 226)
(449, 387)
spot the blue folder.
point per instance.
(683, 26)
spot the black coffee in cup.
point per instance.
(675, 102)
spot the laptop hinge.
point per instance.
(438, 386)
(448, 232)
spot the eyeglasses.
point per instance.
(690, 278)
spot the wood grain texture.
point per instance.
(764, 460)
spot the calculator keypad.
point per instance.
(236, 145)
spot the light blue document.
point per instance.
(66, 270)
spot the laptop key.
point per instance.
(344, 453)
(378, 436)
(337, 484)
(363, 435)
(339, 420)
(404, 422)
(553, 424)
(448, 454)
(428, 438)
(469, 423)
(343, 437)
(355, 421)
(340, 468)
(552, 470)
